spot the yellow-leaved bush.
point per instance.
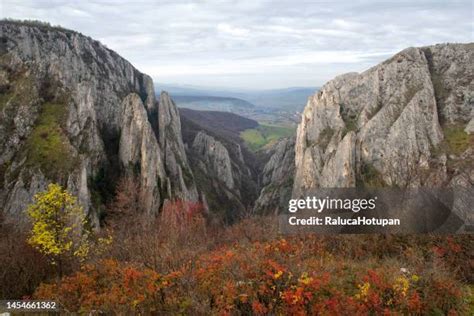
(58, 225)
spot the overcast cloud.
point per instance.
(255, 43)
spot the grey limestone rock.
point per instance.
(59, 83)
(179, 173)
(214, 157)
(386, 124)
(277, 178)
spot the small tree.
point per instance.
(127, 206)
(58, 222)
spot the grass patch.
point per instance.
(325, 137)
(350, 119)
(262, 135)
(370, 177)
(456, 140)
(351, 125)
(4, 98)
(47, 146)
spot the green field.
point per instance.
(257, 138)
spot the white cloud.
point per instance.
(255, 42)
(232, 30)
(127, 42)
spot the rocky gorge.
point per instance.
(74, 112)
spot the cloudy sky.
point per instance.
(255, 43)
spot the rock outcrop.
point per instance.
(73, 111)
(277, 178)
(217, 177)
(225, 171)
(214, 158)
(180, 177)
(139, 151)
(390, 125)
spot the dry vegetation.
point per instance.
(176, 263)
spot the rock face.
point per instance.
(180, 177)
(277, 178)
(225, 171)
(452, 74)
(214, 158)
(74, 112)
(217, 177)
(390, 125)
(139, 150)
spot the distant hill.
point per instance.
(290, 99)
(222, 129)
(219, 124)
(202, 102)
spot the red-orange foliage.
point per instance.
(182, 215)
(300, 275)
(110, 287)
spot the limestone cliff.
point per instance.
(180, 177)
(216, 176)
(277, 178)
(403, 122)
(225, 171)
(73, 111)
(139, 151)
(214, 158)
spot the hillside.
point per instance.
(208, 103)
(265, 135)
(288, 98)
(283, 99)
(249, 269)
(274, 106)
(234, 181)
(219, 122)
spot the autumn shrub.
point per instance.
(126, 206)
(456, 253)
(175, 263)
(303, 277)
(53, 239)
(299, 275)
(256, 228)
(440, 252)
(182, 218)
(165, 241)
(22, 268)
(113, 288)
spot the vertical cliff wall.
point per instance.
(395, 124)
(74, 112)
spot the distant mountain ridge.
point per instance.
(293, 98)
(219, 122)
(202, 102)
